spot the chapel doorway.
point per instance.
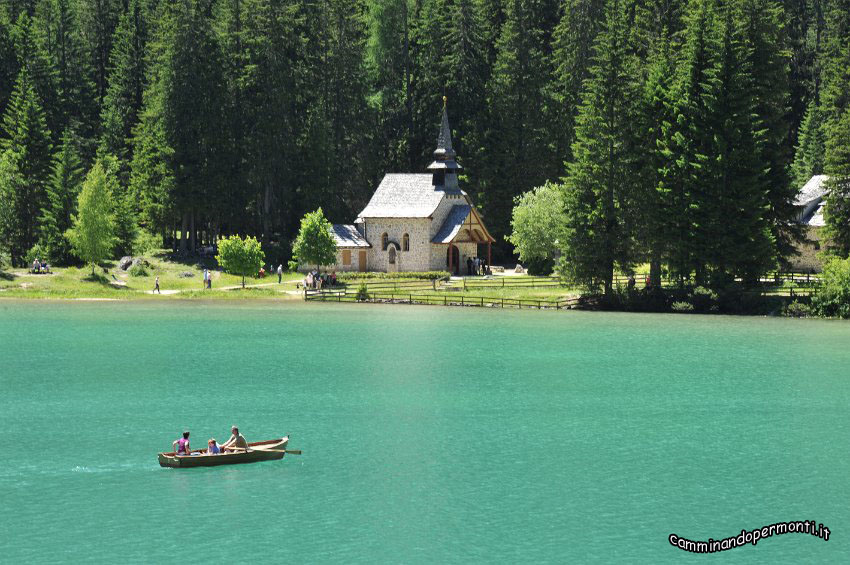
(392, 259)
(453, 260)
(361, 263)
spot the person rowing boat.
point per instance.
(236, 440)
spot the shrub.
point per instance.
(362, 293)
(797, 310)
(146, 242)
(736, 300)
(832, 297)
(682, 307)
(540, 266)
(424, 275)
(138, 270)
(704, 300)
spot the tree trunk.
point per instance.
(655, 270)
(267, 205)
(183, 228)
(192, 230)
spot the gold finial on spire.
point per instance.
(445, 99)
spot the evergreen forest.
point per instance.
(677, 132)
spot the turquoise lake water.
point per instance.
(429, 434)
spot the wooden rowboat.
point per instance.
(258, 451)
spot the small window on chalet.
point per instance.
(346, 257)
(384, 241)
(405, 242)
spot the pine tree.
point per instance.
(65, 183)
(338, 136)
(687, 145)
(836, 109)
(26, 136)
(451, 61)
(811, 146)
(123, 100)
(390, 57)
(8, 60)
(152, 181)
(76, 104)
(13, 190)
(270, 88)
(805, 30)
(738, 223)
(599, 200)
(768, 56)
(152, 169)
(519, 155)
(655, 120)
(98, 19)
(31, 47)
(185, 104)
(837, 215)
(123, 207)
(571, 59)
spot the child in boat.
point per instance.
(212, 447)
(182, 444)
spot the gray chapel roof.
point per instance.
(347, 235)
(404, 195)
(452, 224)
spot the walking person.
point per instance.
(279, 272)
(156, 285)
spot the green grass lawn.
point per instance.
(176, 280)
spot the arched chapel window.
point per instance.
(405, 243)
(384, 241)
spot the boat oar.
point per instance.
(291, 451)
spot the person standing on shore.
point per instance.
(156, 285)
(279, 272)
(206, 278)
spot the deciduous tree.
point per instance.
(240, 256)
(315, 244)
(93, 235)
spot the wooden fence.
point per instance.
(411, 292)
(444, 300)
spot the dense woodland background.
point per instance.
(678, 131)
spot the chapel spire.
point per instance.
(444, 167)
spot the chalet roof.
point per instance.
(812, 190)
(405, 196)
(346, 235)
(454, 220)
